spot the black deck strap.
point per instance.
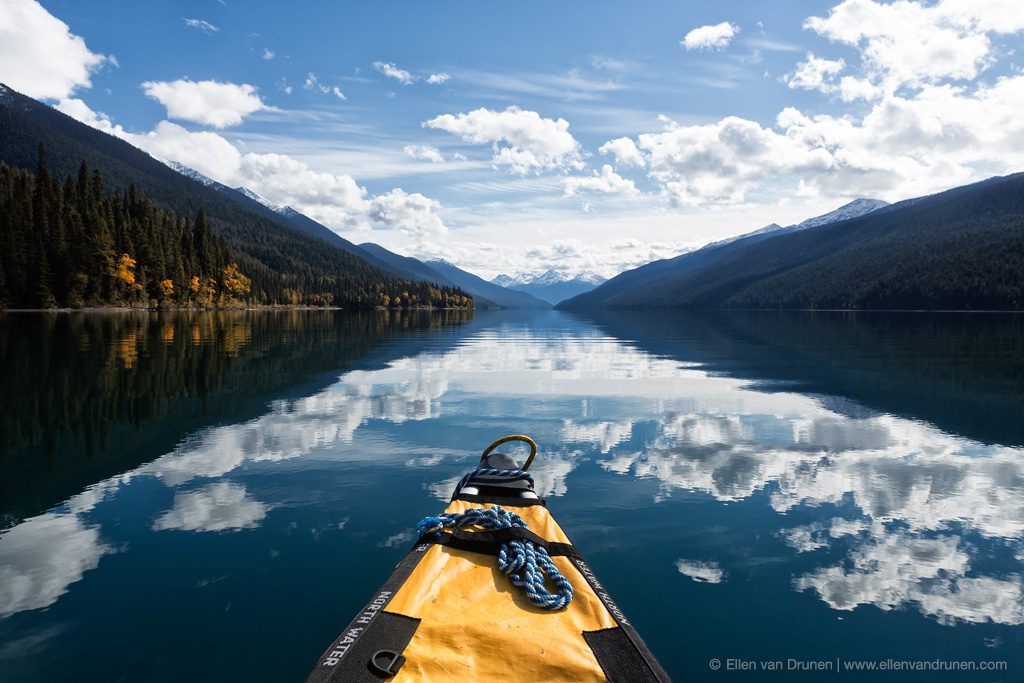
(639, 652)
(490, 542)
(499, 482)
(364, 661)
(504, 501)
(620, 661)
(373, 630)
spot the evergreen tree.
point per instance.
(71, 243)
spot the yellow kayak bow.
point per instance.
(493, 590)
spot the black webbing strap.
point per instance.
(490, 542)
(638, 655)
(620, 661)
(504, 501)
(351, 656)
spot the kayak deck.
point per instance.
(447, 612)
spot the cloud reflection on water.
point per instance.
(222, 506)
(919, 491)
(44, 555)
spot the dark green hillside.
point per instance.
(960, 249)
(284, 264)
(73, 244)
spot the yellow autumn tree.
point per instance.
(166, 289)
(236, 285)
(208, 292)
(124, 269)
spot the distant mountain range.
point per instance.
(959, 249)
(488, 291)
(550, 286)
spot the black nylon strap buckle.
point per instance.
(490, 542)
(395, 663)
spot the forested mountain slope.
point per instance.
(283, 264)
(706, 255)
(959, 249)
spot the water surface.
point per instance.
(213, 495)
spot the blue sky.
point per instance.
(583, 136)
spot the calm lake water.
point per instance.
(212, 496)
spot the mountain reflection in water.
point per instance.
(866, 466)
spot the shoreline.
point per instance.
(790, 310)
(275, 307)
(298, 307)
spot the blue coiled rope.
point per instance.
(523, 562)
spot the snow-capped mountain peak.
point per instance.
(548, 277)
(256, 197)
(858, 207)
(771, 227)
(504, 280)
(551, 285)
(192, 173)
(245, 191)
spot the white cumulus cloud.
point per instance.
(39, 56)
(607, 181)
(438, 79)
(392, 71)
(715, 36)
(335, 200)
(212, 103)
(720, 162)
(935, 137)
(424, 153)
(522, 140)
(413, 214)
(204, 151)
(815, 73)
(624, 150)
(907, 43)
